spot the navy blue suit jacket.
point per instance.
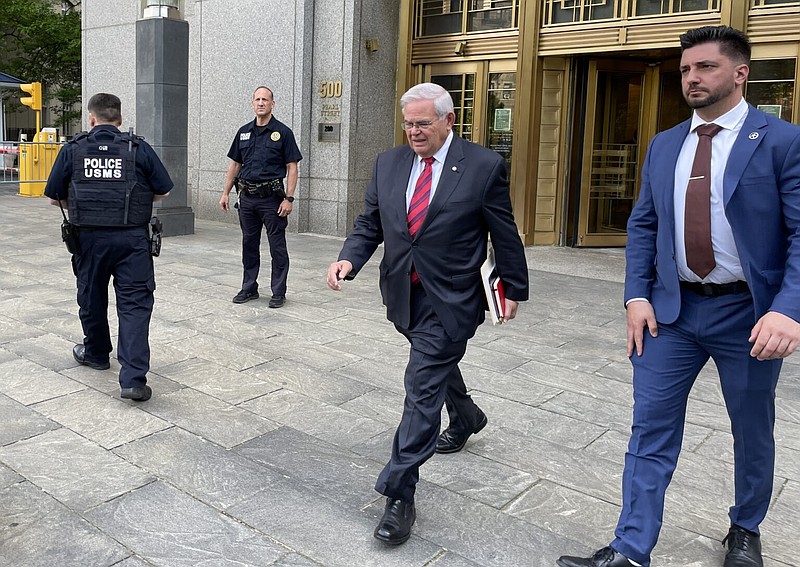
(761, 194)
(471, 201)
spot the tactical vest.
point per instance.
(104, 191)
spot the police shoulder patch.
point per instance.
(275, 136)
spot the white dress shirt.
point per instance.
(437, 166)
(728, 268)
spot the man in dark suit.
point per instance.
(723, 284)
(433, 203)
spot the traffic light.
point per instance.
(35, 100)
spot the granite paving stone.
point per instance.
(586, 408)
(213, 419)
(450, 559)
(380, 405)
(210, 473)
(304, 331)
(21, 422)
(107, 422)
(295, 560)
(560, 429)
(324, 421)
(225, 353)
(356, 324)
(15, 330)
(38, 531)
(374, 349)
(478, 478)
(522, 346)
(50, 351)
(133, 562)
(165, 310)
(28, 382)
(307, 380)
(481, 532)
(75, 471)
(8, 477)
(321, 467)
(234, 329)
(327, 532)
(604, 389)
(597, 477)
(7, 356)
(562, 510)
(491, 359)
(219, 381)
(311, 354)
(382, 375)
(510, 387)
(181, 531)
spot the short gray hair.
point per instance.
(442, 101)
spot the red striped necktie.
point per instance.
(419, 204)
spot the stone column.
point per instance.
(162, 104)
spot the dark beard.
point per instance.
(712, 98)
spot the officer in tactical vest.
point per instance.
(263, 152)
(108, 180)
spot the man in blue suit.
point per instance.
(433, 203)
(732, 295)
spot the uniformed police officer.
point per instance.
(108, 180)
(262, 154)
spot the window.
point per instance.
(441, 17)
(770, 86)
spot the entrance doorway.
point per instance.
(484, 95)
(628, 102)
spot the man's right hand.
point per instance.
(337, 272)
(223, 202)
(640, 315)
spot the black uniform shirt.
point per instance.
(150, 172)
(264, 155)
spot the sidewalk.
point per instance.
(267, 427)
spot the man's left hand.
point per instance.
(510, 309)
(774, 336)
(284, 209)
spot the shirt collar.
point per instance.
(728, 121)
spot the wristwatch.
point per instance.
(289, 198)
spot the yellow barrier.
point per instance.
(36, 161)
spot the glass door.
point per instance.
(609, 184)
(484, 95)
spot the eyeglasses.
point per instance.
(421, 124)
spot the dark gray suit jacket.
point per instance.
(471, 201)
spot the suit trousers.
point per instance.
(716, 327)
(125, 255)
(254, 213)
(431, 376)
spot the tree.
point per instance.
(40, 42)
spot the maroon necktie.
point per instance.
(419, 204)
(697, 222)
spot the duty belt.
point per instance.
(260, 188)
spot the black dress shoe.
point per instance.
(451, 441)
(606, 557)
(744, 548)
(245, 296)
(395, 526)
(137, 394)
(277, 301)
(79, 354)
